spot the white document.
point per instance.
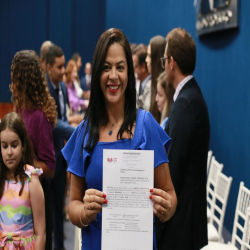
(127, 218)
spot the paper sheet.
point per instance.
(127, 219)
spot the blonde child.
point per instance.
(22, 215)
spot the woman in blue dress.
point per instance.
(112, 122)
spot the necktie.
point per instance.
(140, 89)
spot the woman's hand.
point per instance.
(162, 204)
(93, 201)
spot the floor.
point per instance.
(69, 231)
(70, 234)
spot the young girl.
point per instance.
(22, 215)
(164, 98)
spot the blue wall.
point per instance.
(222, 71)
(25, 24)
(222, 58)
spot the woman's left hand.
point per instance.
(162, 203)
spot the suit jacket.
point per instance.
(188, 126)
(62, 131)
(83, 84)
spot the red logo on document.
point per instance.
(112, 160)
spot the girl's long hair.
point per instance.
(169, 92)
(96, 113)
(29, 87)
(14, 122)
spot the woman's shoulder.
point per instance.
(33, 114)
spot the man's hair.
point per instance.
(53, 52)
(75, 57)
(141, 52)
(132, 47)
(181, 47)
(44, 48)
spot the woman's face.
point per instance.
(73, 74)
(148, 59)
(114, 77)
(160, 97)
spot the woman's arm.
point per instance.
(84, 205)
(38, 210)
(163, 195)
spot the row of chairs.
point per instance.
(218, 188)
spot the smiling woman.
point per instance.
(112, 122)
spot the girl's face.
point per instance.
(11, 148)
(114, 77)
(73, 74)
(160, 97)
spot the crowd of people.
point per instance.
(131, 97)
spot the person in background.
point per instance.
(43, 51)
(32, 100)
(78, 60)
(155, 51)
(62, 131)
(86, 80)
(21, 195)
(188, 126)
(112, 122)
(137, 81)
(77, 105)
(141, 70)
(164, 98)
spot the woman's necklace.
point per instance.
(110, 132)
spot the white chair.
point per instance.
(78, 239)
(209, 156)
(241, 227)
(215, 169)
(218, 207)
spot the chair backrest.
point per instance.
(215, 169)
(80, 238)
(246, 235)
(209, 156)
(219, 203)
(243, 202)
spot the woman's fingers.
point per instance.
(93, 201)
(93, 195)
(95, 192)
(162, 203)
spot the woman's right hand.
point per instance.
(93, 201)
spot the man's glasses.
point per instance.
(163, 61)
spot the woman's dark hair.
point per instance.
(96, 113)
(158, 44)
(14, 122)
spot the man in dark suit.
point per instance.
(55, 61)
(188, 126)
